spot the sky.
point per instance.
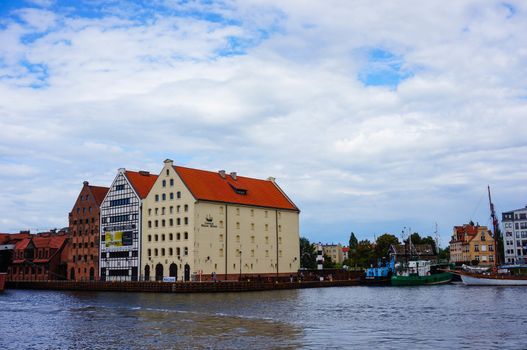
(374, 116)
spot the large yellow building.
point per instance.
(472, 243)
(197, 224)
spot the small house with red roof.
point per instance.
(205, 225)
(120, 227)
(83, 247)
(39, 257)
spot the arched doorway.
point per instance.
(159, 272)
(92, 273)
(147, 272)
(72, 273)
(187, 272)
(172, 270)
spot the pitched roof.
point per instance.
(99, 193)
(23, 243)
(141, 181)
(210, 186)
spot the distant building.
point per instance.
(39, 257)
(334, 251)
(120, 241)
(472, 243)
(84, 220)
(345, 253)
(407, 251)
(515, 236)
(199, 222)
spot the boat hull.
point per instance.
(492, 281)
(438, 278)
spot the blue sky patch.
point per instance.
(383, 68)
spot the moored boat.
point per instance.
(380, 275)
(2, 281)
(504, 276)
(419, 273)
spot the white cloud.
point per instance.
(123, 92)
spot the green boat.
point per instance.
(419, 273)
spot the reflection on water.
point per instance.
(451, 316)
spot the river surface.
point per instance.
(430, 317)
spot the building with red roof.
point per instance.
(83, 247)
(120, 229)
(38, 257)
(203, 223)
(472, 243)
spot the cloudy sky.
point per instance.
(373, 116)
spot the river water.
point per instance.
(428, 317)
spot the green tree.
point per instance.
(444, 254)
(383, 243)
(364, 254)
(308, 254)
(429, 240)
(353, 242)
(328, 263)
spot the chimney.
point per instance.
(222, 173)
(85, 183)
(144, 173)
(233, 175)
(169, 161)
(270, 178)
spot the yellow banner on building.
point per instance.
(113, 239)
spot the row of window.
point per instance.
(83, 210)
(79, 258)
(84, 221)
(171, 210)
(253, 239)
(170, 237)
(164, 183)
(170, 222)
(86, 232)
(239, 253)
(120, 201)
(170, 251)
(170, 195)
(80, 245)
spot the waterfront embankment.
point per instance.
(178, 287)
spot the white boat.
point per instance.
(492, 280)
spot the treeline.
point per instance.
(363, 253)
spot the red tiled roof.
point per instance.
(99, 193)
(40, 260)
(345, 249)
(208, 185)
(141, 182)
(22, 244)
(12, 238)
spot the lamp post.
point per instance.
(240, 278)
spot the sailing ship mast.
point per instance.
(496, 230)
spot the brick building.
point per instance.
(83, 247)
(39, 257)
(472, 243)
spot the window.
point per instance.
(252, 252)
(170, 236)
(162, 251)
(156, 198)
(149, 212)
(221, 210)
(252, 212)
(119, 187)
(178, 221)
(252, 239)
(238, 225)
(185, 251)
(156, 237)
(164, 183)
(267, 253)
(156, 223)
(186, 235)
(237, 238)
(155, 252)
(171, 182)
(171, 209)
(178, 194)
(267, 239)
(178, 208)
(238, 211)
(178, 236)
(149, 224)
(168, 172)
(163, 211)
(178, 251)
(163, 223)
(267, 227)
(221, 252)
(185, 220)
(279, 253)
(279, 240)
(156, 210)
(171, 195)
(149, 252)
(164, 197)
(170, 251)
(186, 207)
(163, 237)
(149, 238)
(221, 224)
(266, 213)
(279, 228)
(171, 222)
(220, 237)
(252, 226)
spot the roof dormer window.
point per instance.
(241, 191)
